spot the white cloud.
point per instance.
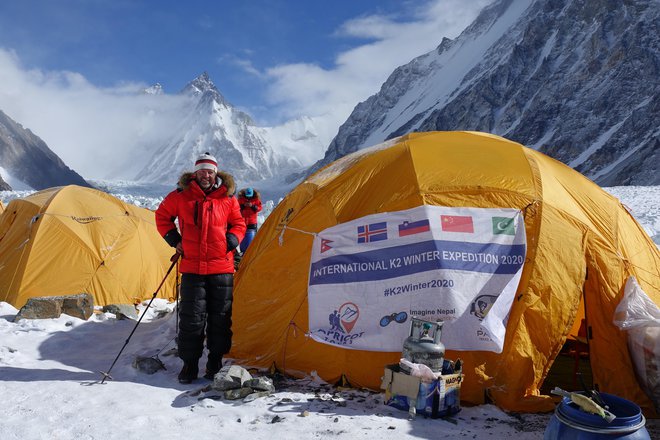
(329, 95)
(244, 64)
(93, 130)
(97, 131)
(373, 26)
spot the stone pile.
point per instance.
(235, 382)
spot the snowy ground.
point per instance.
(50, 381)
(50, 385)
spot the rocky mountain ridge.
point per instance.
(28, 159)
(579, 81)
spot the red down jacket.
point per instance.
(204, 221)
(250, 206)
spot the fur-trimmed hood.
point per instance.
(227, 181)
(256, 195)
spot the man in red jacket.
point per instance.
(250, 201)
(210, 228)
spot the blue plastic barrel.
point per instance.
(572, 423)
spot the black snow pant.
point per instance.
(205, 310)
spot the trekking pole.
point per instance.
(177, 287)
(105, 374)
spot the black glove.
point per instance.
(254, 208)
(172, 237)
(232, 241)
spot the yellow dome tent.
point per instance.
(581, 243)
(69, 240)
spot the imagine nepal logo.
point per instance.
(344, 318)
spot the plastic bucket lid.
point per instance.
(629, 417)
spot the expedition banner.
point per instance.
(369, 276)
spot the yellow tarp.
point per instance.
(578, 238)
(70, 240)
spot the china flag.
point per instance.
(457, 223)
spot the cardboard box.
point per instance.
(436, 399)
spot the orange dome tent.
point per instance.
(69, 240)
(580, 243)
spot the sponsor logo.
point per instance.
(344, 318)
(372, 232)
(483, 335)
(348, 314)
(504, 225)
(411, 228)
(399, 318)
(482, 305)
(457, 223)
(342, 322)
(452, 380)
(285, 219)
(85, 220)
(325, 245)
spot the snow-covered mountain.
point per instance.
(4, 186)
(578, 80)
(156, 89)
(250, 153)
(27, 162)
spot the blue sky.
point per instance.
(171, 42)
(274, 59)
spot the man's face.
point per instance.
(205, 178)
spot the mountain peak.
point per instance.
(203, 85)
(156, 89)
(203, 81)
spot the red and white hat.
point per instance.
(206, 162)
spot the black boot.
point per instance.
(213, 365)
(188, 373)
